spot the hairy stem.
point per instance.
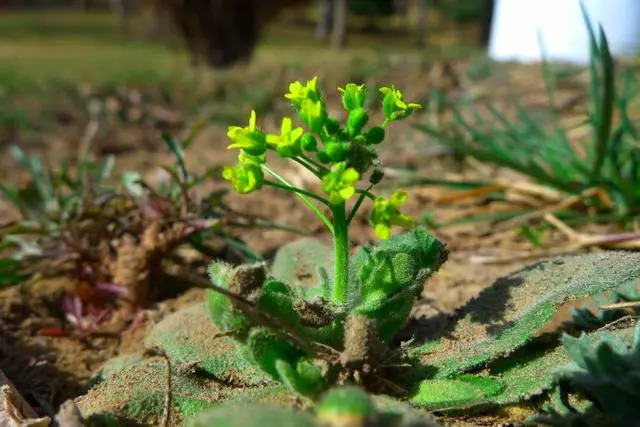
(341, 252)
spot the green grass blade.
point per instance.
(604, 122)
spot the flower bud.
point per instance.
(337, 151)
(353, 96)
(332, 126)
(376, 176)
(356, 121)
(309, 143)
(375, 135)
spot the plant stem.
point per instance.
(363, 194)
(341, 252)
(298, 191)
(309, 160)
(302, 197)
(307, 166)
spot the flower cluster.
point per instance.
(386, 212)
(340, 155)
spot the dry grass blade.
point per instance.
(580, 240)
(620, 305)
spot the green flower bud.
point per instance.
(356, 121)
(313, 114)
(337, 151)
(345, 406)
(376, 176)
(375, 135)
(309, 143)
(323, 156)
(339, 184)
(353, 96)
(332, 126)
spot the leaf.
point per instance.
(519, 307)
(443, 394)
(230, 415)
(181, 336)
(175, 147)
(511, 379)
(386, 279)
(297, 263)
(131, 182)
(10, 272)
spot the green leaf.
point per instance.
(175, 147)
(297, 263)
(443, 394)
(386, 279)
(234, 415)
(512, 311)
(512, 379)
(189, 336)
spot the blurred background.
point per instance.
(511, 159)
(184, 54)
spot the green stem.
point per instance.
(307, 166)
(363, 194)
(367, 193)
(341, 252)
(298, 191)
(321, 168)
(302, 197)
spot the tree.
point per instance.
(222, 31)
(421, 24)
(340, 21)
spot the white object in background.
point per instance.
(519, 27)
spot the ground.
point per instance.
(54, 86)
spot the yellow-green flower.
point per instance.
(394, 105)
(244, 157)
(386, 213)
(299, 92)
(339, 184)
(288, 143)
(249, 138)
(313, 114)
(353, 96)
(245, 178)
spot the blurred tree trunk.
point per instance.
(421, 24)
(485, 21)
(117, 7)
(161, 27)
(340, 22)
(325, 19)
(81, 4)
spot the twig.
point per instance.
(619, 240)
(166, 412)
(615, 322)
(563, 204)
(620, 305)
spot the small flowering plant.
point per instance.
(341, 330)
